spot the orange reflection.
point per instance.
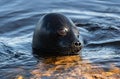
(71, 67)
(19, 77)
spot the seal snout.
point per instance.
(76, 45)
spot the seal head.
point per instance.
(55, 34)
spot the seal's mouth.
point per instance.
(75, 50)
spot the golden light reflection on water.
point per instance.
(71, 67)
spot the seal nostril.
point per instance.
(77, 43)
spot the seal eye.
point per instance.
(62, 31)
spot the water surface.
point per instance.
(97, 20)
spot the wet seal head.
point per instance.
(56, 35)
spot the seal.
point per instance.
(55, 35)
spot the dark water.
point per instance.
(98, 21)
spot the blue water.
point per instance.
(97, 20)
